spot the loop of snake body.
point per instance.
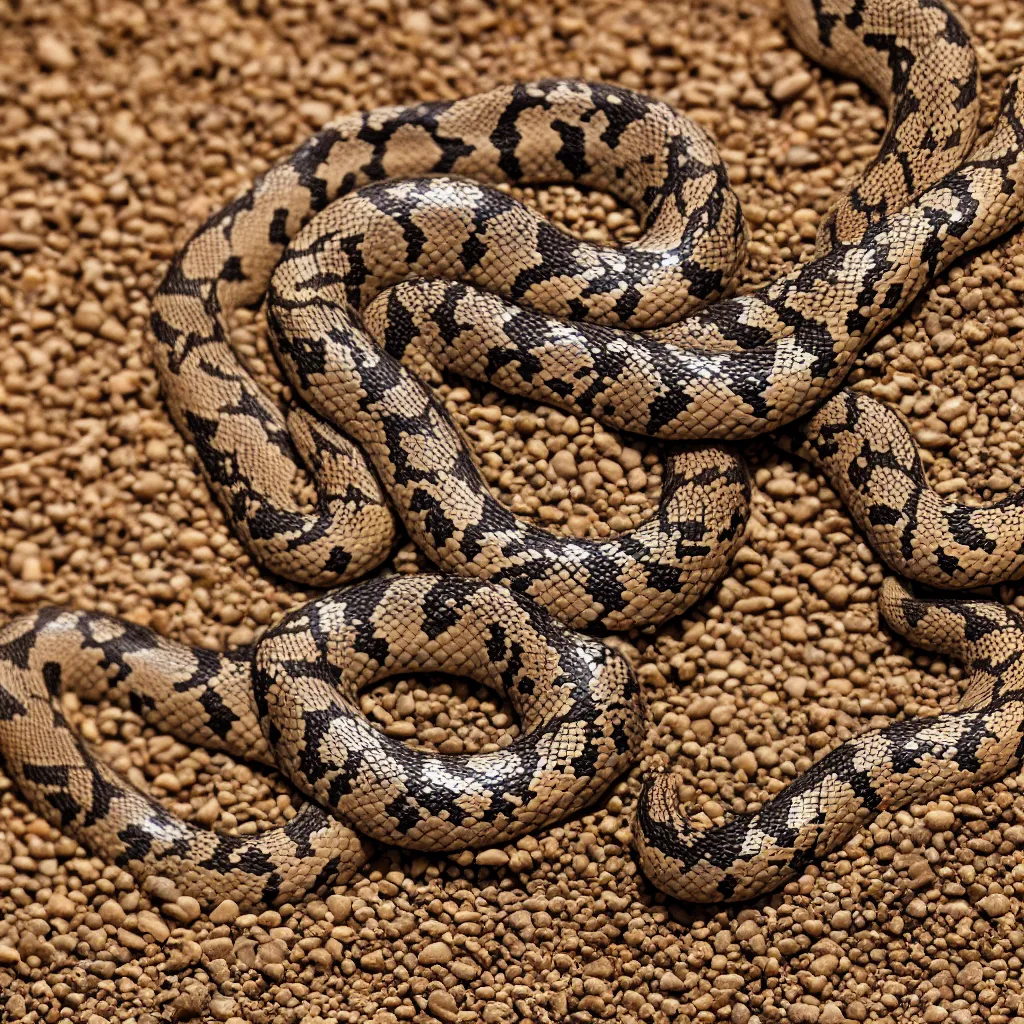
(392, 277)
(291, 702)
(343, 248)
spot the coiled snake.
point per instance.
(369, 297)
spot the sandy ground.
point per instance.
(123, 125)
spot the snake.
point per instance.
(387, 256)
(977, 741)
(382, 247)
(291, 702)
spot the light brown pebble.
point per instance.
(225, 912)
(995, 905)
(54, 53)
(670, 982)
(209, 812)
(149, 484)
(790, 86)
(373, 961)
(939, 820)
(149, 923)
(441, 1005)
(222, 1008)
(493, 857)
(62, 907)
(564, 465)
(435, 953)
(192, 1000)
(184, 909)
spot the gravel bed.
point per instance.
(123, 125)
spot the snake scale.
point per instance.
(387, 257)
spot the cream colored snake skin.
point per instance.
(292, 702)
(979, 740)
(386, 259)
(738, 368)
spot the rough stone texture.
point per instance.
(123, 125)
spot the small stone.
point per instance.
(89, 315)
(316, 112)
(564, 465)
(441, 1005)
(148, 923)
(373, 962)
(788, 87)
(824, 966)
(794, 629)
(183, 955)
(185, 909)
(804, 1013)
(225, 912)
(124, 383)
(222, 1008)
(148, 485)
(670, 982)
(209, 812)
(939, 820)
(54, 53)
(340, 907)
(218, 949)
(192, 1000)
(19, 241)
(951, 408)
(273, 952)
(493, 857)
(995, 905)
(435, 953)
(802, 156)
(61, 907)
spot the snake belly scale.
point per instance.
(377, 280)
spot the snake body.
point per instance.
(292, 702)
(412, 257)
(979, 740)
(383, 265)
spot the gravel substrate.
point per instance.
(123, 125)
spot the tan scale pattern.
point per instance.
(578, 701)
(736, 370)
(968, 746)
(869, 453)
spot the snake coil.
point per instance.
(387, 257)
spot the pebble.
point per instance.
(442, 1006)
(564, 465)
(54, 53)
(184, 909)
(995, 905)
(492, 857)
(151, 924)
(372, 961)
(788, 87)
(939, 820)
(225, 912)
(435, 953)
